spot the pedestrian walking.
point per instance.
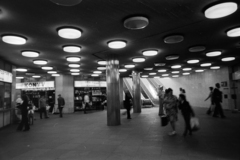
(61, 104)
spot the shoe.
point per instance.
(129, 118)
(215, 116)
(172, 133)
(46, 117)
(26, 129)
(223, 117)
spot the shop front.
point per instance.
(96, 91)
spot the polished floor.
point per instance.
(80, 136)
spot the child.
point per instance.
(31, 112)
(187, 112)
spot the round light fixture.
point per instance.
(21, 70)
(165, 75)
(173, 39)
(138, 60)
(205, 64)
(144, 76)
(137, 22)
(186, 73)
(129, 66)
(150, 53)
(226, 59)
(187, 69)
(71, 49)
(215, 67)
(102, 62)
(213, 53)
(197, 49)
(117, 44)
(148, 69)
(122, 70)
(55, 75)
(176, 66)
(234, 32)
(74, 65)
(15, 40)
(69, 33)
(30, 54)
(52, 72)
(193, 61)
(153, 73)
(172, 57)
(175, 76)
(66, 2)
(199, 70)
(174, 72)
(162, 70)
(75, 74)
(47, 68)
(73, 59)
(95, 75)
(97, 72)
(19, 77)
(101, 68)
(220, 10)
(40, 62)
(36, 76)
(74, 70)
(156, 77)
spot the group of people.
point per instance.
(169, 105)
(26, 108)
(215, 96)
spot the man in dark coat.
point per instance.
(217, 100)
(61, 103)
(24, 111)
(128, 104)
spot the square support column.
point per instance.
(137, 105)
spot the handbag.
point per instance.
(164, 120)
(194, 122)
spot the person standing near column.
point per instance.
(128, 104)
(61, 103)
(86, 100)
(24, 111)
(42, 106)
(217, 100)
(160, 96)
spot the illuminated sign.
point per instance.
(5, 76)
(90, 84)
(35, 85)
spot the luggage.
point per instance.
(164, 120)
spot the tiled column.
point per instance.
(64, 85)
(113, 98)
(136, 92)
(121, 93)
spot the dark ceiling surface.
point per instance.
(102, 20)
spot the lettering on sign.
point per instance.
(34, 85)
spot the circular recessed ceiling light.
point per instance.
(117, 44)
(165, 75)
(187, 69)
(52, 72)
(73, 59)
(162, 70)
(199, 70)
(95, 75)
(148, 69)
(156, 77)
(234, 32)
(137, 60)
(36, 76)
(30, 54)
(144, 76)
(102, 62)
(150, 53)
(16, 40)
(74, 70)
(129, 66)
(153, 73)
(226, 59)
(215, 67)
(71, 49)
(174, 76)
(137, 22)
(205, 64)
(97, 72)
(40, 62)
(220, 10)
(69, 33)
(66, 2)
(101, 68)
(172, 57)
(21, 70)
(74, 65)
(213, 54)
(55, 75)
(193, 61)
(197, 49)
(174, 72)
(186, 73)
(173, 39)
(75, 74)
(122, 70)
(47, 68)
(19, 77)
(176, 66)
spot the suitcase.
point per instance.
(164, 120)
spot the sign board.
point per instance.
(5, 76)
(236, 75)
(90, 84)
(35, 85)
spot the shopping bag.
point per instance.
(164, 120)
(194, 124)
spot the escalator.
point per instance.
(149, 90)
(127, 84)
